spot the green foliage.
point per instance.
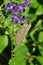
(34, 3)
(7, 1)
(3, 42)
(40, 37)
(39, 10)
(40, 59)
(19, 55)
(33, 42)
(26, 12)
(18, 1)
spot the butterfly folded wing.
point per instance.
(22, 33)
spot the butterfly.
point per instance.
(21, 33)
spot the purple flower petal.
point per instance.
(10, 6)
(19, 8)
(16, 18)
(26, 3)
(13, 11)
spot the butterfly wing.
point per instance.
(22, 33)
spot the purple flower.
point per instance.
(19, 8)
(26, 3)
(10, 6)
(12, 11)
(16, 18)
(15, 8)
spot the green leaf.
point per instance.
(32, 17)
(7, 1)
(16, 27)
(10, 29)
(8, 21)
(20, 54)
(39, 59)
(31, 63)
(39, 24)
(26, 13)
(18, 1)
(32, 33)
(3, 42)
(11, 62)
(37, 27)
(34, 3)
(1, 12)
(9, 18)
(40, 37)
(40, 47)
(39, 10)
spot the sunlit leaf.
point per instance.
(40, 47)
(20, 54)
(32, 17)
(3, 42)
(40, 37)
(34, 3)
(39, 10)
(39, 59)
(18, 1)
(7, 1)
(11, 62)
(26, 13)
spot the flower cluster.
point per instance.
(15, 8)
